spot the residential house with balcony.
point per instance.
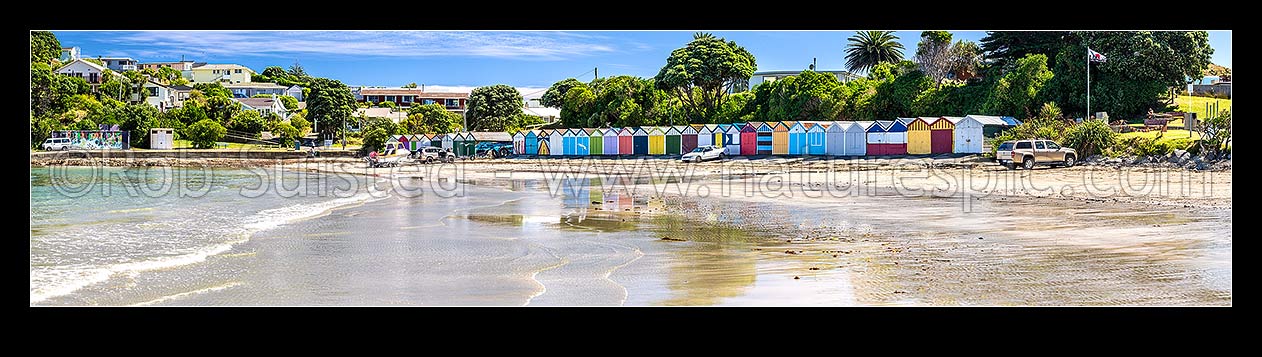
(182, 93)
(250, 89)
(68, 54)
(264, 106)
(179, 66)
(220, 73)
(93, 73)
(120, 64)
(159, 96)
(406, 97)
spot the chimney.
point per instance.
(422, 87)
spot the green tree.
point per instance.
(375, 139)
(205, 133)
(965, 59)
(809, 95)
(138, 119)
(168, 75)
(113, 86)
(190, 113)
(868, 48)
(248, 121)
(1004, 48)
(299, 121)
(410, 85)
(298, 73)
(895, 97)
(1017, 93)
(213, 90)
(578, 106)
(41, 128)
(222, 109)
(44, 47)
(555, 96)
(493, 108)
(329, 105)
(701, 73)
(1142, 71)
(431, 119)
(390, 105)
(285, 133)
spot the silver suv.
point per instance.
(1034, 152)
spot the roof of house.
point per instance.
(117, 58)
(411, 91)
(181, 88)
(221, 66)
(264, 85)
(989, 119)
(256, 102)
(491, 136)
(90, 64)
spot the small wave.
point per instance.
(62, 281)
(130, 210)
(188, 293)
(272, 218)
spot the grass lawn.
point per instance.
(1169, 135)
(1197, 104)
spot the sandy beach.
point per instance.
(769, 232)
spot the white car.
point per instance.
(57, 144)
(703, 153)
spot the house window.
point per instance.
(389, 98)
(153, 91)
(428, 101)
(238, 70)
(453, 103)
(407, 99)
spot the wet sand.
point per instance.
(1170, 244)
(524, 233)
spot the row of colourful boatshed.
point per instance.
(902, 136)
(461, 144)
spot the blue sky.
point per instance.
(457, 60)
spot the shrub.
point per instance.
(286, 133)
(249, 121)
(300, 122)
(1090, 137)
(205, 133)
(375, 138)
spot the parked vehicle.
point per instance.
(493, 150)
(1028, 153)
(702, 153)
(431, 154)
(57, 144)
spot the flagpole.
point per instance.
(1088, 83)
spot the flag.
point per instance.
(1095, 56)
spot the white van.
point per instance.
(56, 144)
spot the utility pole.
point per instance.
(596, 72)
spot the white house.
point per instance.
(120, 64)
(264, 106)
(159, 96)
(296, 92)
(250, 89)
(69, 54)
(91, 72)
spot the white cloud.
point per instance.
(534, 45)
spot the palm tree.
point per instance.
(867, 48)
